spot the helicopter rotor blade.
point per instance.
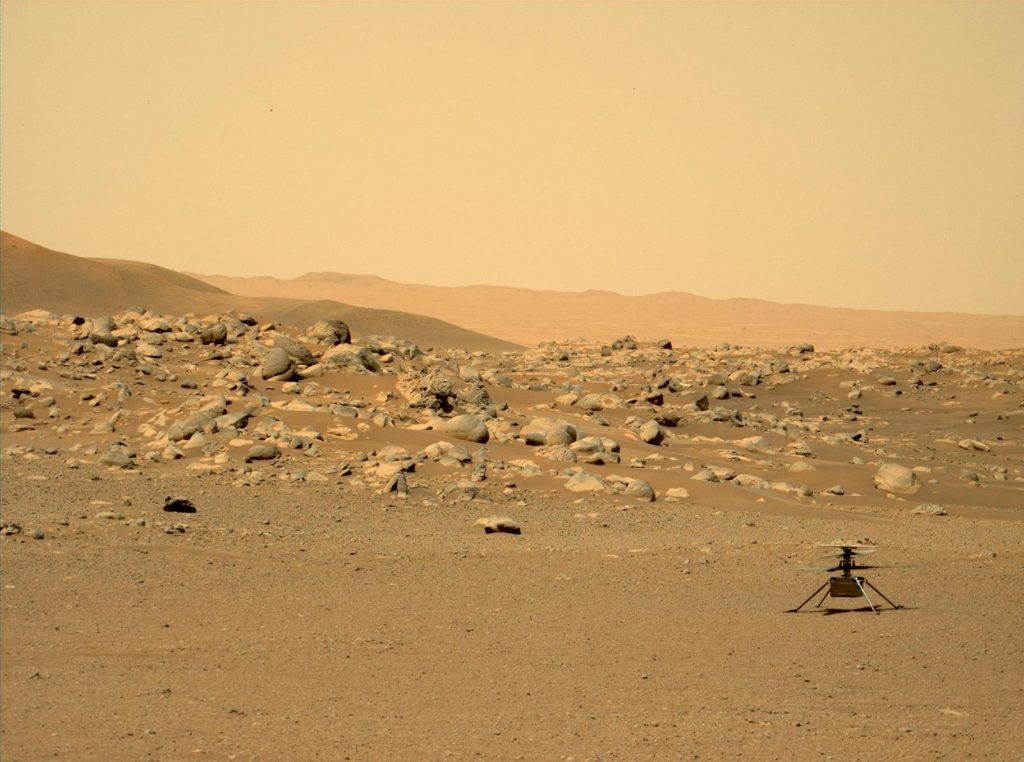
(851, 554)
(884, 566)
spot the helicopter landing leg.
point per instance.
(793, 611)
(865, 594)
(881, 594)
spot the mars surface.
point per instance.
(243, 526)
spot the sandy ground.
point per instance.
(302, 613)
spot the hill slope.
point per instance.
(34, 277)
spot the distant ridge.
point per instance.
(527, 316)
(34, 277)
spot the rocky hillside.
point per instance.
(34, 277)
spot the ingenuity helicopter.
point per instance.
(848, 584)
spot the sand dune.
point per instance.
(526, 316)
(34, 277)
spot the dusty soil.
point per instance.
(302, 613)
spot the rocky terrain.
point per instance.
(227, 538)
(35, 277)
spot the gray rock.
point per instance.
(973, 444)
(559, 453)
(397, 483)
(344, 356)
(145, 349)
(105, 339)
(496, 524)
(548, 431)
(197, 422)
(116, 458)
(110, 515)
(892, 477)
(263, 452)
(639, 489)
(468, 428)
(750, 481)
(277, 365)
(214, 334)
(299, 352)
(651, 433)
(331, 332)
(584, 482)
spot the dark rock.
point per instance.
(263, 452)
(103, 338)
(178, 505)
(668, 419)
(214, 334)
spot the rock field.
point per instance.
(239, 540)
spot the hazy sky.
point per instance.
(855, 154)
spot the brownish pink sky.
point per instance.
(856, 154)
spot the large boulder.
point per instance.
(640, 490)
(892, 477)
(296, 350)
(344, 357)
(277, 365)
(468, 428)
(651, 433)
(548, 431)
(584, 482)
(331, 332)
(214, 334)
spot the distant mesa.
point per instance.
(527, 316)
(484, 318)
